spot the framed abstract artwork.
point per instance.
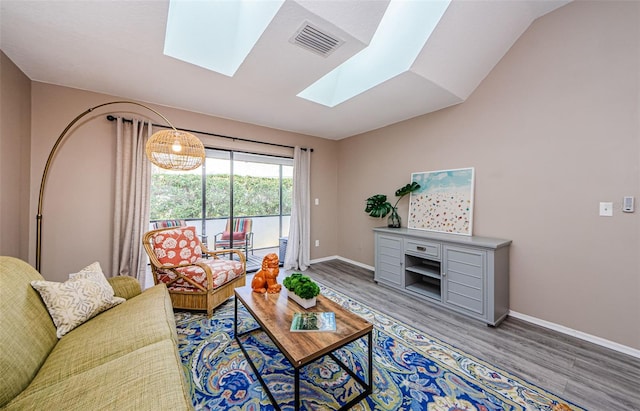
(444, 202)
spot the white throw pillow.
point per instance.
(73, 302)
(78, 299)
(94, 272)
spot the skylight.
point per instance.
(403, 31)
(216, 35)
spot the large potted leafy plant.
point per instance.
(302, 289)
(378, 206)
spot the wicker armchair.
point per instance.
(194, 283)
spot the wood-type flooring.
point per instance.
(591, 376)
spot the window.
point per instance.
(228, 184)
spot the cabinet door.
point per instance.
(464, 278)
(389, 260)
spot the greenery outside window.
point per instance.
(228, 184)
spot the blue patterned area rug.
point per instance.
(412, 371)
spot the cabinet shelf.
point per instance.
(426, 289)
(422, 275)
(425, 270)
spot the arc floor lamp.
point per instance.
(171, 149)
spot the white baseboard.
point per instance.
(578, 334)
(346, 260)
(323, 259)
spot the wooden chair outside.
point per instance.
(194, 283)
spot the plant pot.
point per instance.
(304, 303)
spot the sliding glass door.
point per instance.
(230, 185)
(217, 177)
(262, 189)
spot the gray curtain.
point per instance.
(131, 211)
(298, 244)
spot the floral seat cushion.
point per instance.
(222, 272)
(181, 246)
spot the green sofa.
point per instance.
(125, 358)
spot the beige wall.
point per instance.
(552, 131)
(15, 128)
(77, 211)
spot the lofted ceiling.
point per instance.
(116, 47)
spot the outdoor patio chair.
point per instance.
(194, 282)
(242, 235)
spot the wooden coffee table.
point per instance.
(274, 313)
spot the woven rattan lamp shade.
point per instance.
(175, 150)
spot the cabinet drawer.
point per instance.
(422, 248)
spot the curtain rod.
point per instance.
(127, 120)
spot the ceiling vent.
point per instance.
(312, 38)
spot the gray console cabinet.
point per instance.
(467, 274)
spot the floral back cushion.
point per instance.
(177, 246)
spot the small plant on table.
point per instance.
(303, 287)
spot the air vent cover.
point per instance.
(312, 38)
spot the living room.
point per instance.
(552, 131)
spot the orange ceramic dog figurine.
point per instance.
(265, 279)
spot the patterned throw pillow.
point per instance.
(94, 272)
(78, 299)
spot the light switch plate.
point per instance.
(606, 209)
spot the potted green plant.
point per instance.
(302, 289)
(378, 206)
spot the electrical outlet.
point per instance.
(317, 243)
